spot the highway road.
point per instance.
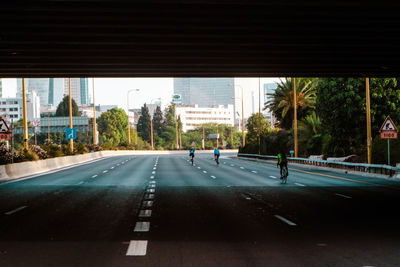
(162, 211)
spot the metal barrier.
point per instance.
(361, 167)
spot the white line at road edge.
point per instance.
(285, 220)
(137, 248)
(299, 184)
(16, 210)
(340, 195)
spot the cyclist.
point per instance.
(282, 162)
(191, 154)
(216, 154)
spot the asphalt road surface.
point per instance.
(162, 211)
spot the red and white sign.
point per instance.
(388, 129)
(5, 133)
(36, 123)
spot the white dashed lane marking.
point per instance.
(137, 248)
(232, 165)
(142, 227)
(205, 171)
(242, 168)
(105, 171)
(212, 176)
(340, 195)
(145, 213)
(94, 176)
(112, 168)
(285, 220)
(80, 182)
(15, 210)
(253, 171)
(152, 177)
(299, 184)
(153, 172)
(273, 177)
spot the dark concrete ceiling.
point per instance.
(114, 38)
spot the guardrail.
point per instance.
(361, 167)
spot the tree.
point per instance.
(144, 124)
(157, 121)
(282, 102)
(169, 127)
(113, 127)
(63, 108)
(341, 106)
(311, 135)
(252, 127)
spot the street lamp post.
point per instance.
(71, 141)
(243, 137)
(151, 122)
(129, 127)
(94, 118)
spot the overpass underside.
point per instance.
(115, 38)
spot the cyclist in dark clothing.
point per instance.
(282, 162)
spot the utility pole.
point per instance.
(295, 117)
(204, 139)
(243, 137)
(71, 141)
(231, 136)
(217, 135)
(369, 139)
(259, 116)
(176, 130)
(25, 122)
(48, 125)
(94, 118)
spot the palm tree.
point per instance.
(282, 103)
(311, 134)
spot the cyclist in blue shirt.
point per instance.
(216, 154)
(191, 154)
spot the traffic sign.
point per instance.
(388, 129)
(70, 133)
(36, 123)
(5, 133)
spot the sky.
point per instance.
(113, 91)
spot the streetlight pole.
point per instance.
(129, 127)
(259, 116)
(24, 118)
(368, 104)
(94, 117)
(71, 141)
(295, 117)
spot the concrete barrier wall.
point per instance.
(28, 168)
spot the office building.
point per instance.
(205, 92)
(87, 111)
(1, 89)
(79, 90)
(194, 116)
(11, 109)
(50, 90)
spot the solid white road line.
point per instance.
(16, 210)
(142, 227)
(273, 177)
(285, 220)
(340, 195)
(145, 213)
(299, 184)
(94, 176)
(212, 176)
(253, 171)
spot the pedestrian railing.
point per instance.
(361, 167)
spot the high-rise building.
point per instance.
(1, 89)
(50, 90)
(11, 108)
(79, 90)
(205, 92)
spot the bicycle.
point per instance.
(284, 175)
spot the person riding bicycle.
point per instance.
(216, 154)
(282, 162)
(191, 152)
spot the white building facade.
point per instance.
(194, 116)
(11, 109)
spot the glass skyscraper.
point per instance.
(79, 90)
(205, 92)
(50, 90)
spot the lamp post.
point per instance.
(94, 117)
(151, 122)
(71, 141)
(243, 137)
(129, 127)
(24, 117)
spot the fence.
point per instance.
(361, 167)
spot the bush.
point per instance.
(27, 155)
(6, 156)
(41, 153)
(53, 150)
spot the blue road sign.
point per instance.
(70, 133)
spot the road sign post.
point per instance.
(388, 131)
(70, 133)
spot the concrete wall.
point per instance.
(29, 168)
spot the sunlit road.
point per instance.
(162, 211)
